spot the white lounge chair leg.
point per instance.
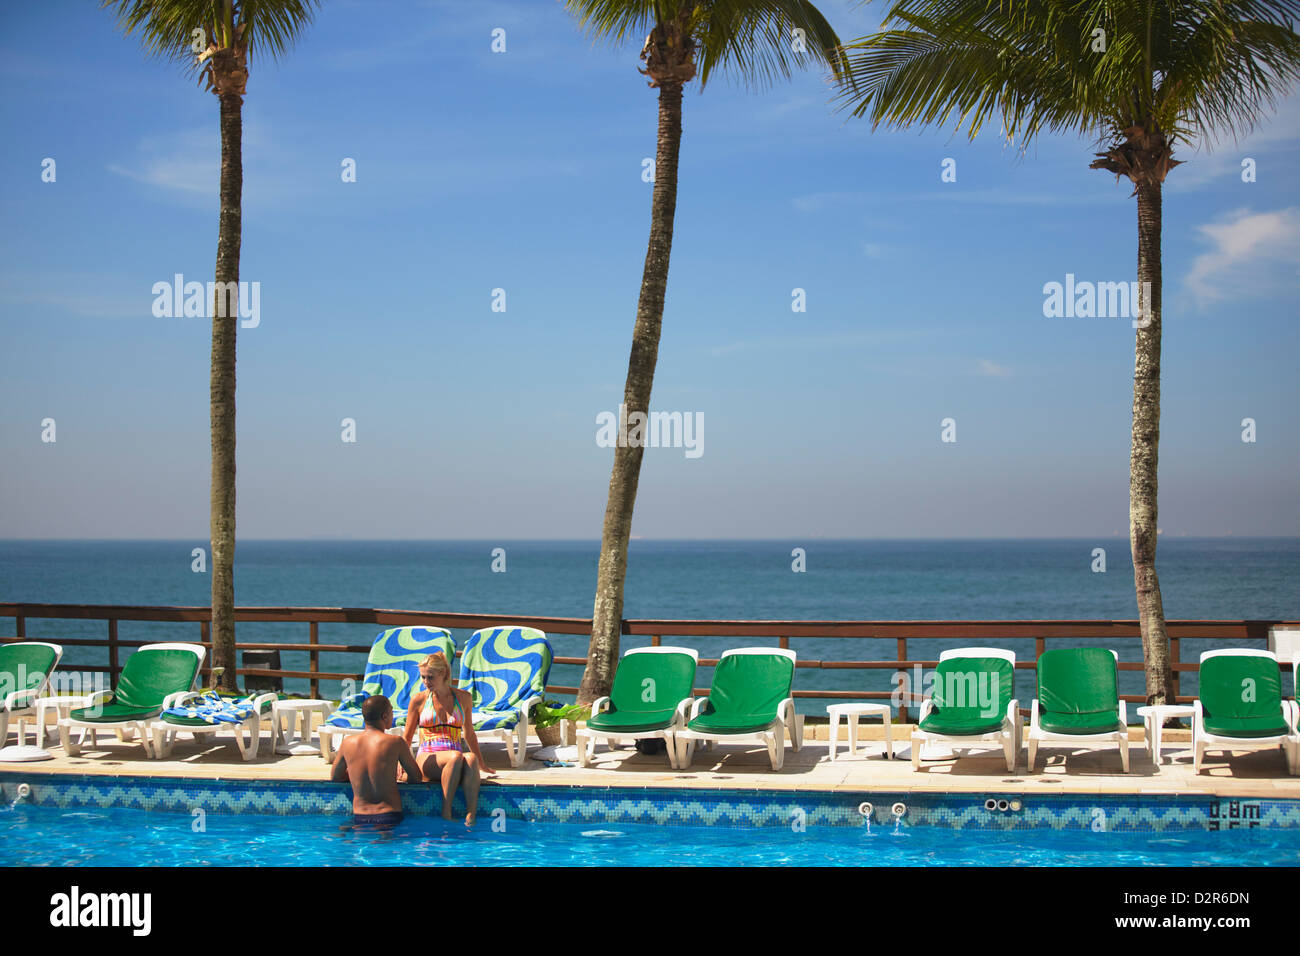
(144, 738)
(916, 755)
(65, 738)
(796, 733)
(1123, 752)
(1198, 751)
(326, 745)
(1033, 754)
(1010, 754)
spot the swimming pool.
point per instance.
(51, 836)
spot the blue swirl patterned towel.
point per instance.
(212, 708)
(393, 669)
(501, 667)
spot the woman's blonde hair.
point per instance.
(437, 662)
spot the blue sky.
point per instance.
(522, 171)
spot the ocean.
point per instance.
(1215, 578)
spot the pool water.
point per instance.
(50, 836)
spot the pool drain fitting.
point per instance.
(866, 809)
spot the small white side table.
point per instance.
(283, 739)
(1155, 716)
(851, 713)
(62, 707)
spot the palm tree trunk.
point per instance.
(222, 393)
(1145, 454)
(607, 617)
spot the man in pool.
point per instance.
(370, 760)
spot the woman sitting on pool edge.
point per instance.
(442, 715)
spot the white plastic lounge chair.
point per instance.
(973, 703)
(25, 669)
(505, 670)
(650, 698)
(749, 702)
(1078, 701)
(155, 677)
(1240, 706)
(392, 669)
(166, 728)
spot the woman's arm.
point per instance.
(467, 708)
(413, 716)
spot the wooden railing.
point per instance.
(895, 633)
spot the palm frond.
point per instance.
(753, 41)
(167, 27)
(1185, 67)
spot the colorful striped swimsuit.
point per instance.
(438, 737)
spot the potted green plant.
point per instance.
(546, 717)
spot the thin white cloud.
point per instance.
(993, 369)
(1251, 253)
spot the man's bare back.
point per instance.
(369, 760)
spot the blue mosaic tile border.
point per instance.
(673, 807)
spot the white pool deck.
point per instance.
(1242, 774)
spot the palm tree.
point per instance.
(216, 38)
(1142, 75)
(756, 40)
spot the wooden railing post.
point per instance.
(313, 665)
(20, 625)
(655, 640)
(1175, 660)
(205, 629)
(112, 652)
(902, 656)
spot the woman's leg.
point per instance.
(470, 781)
(444, 767)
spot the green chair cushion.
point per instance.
(1248, 726)
(1241, 696)
(971, 696)
(1078, 691)
(1102, 722)
(114, 712)
(150, 675)
(730, 723)
(632, 722)
(746, 692)
(31, 663)
(954, 725)
(647, 689)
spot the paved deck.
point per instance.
(1244, 774)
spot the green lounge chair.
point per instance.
(749, 701)
(25, 669)
(1078, 701)
(1240, 706)
(973, 702)
(155, 676)
(650, 697)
